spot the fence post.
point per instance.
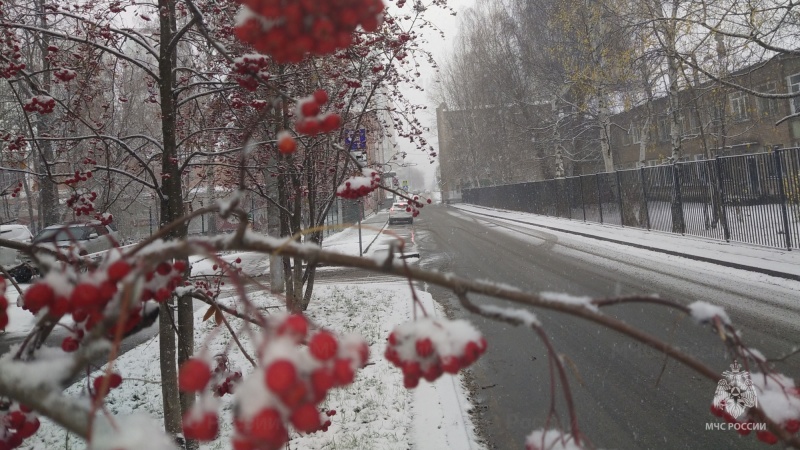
(677, 202)
(583, 203)
(568, 188)
(723, 214)
(787, 234)
(644, 196)
(619, 199)
(599, 197)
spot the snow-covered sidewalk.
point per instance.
(375, 412)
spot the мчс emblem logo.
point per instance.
(735, 392)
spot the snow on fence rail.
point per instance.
(748, 198)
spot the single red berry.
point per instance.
(392, 338)
(410, 382)
(424, 347)
(331, 122)
(295, 395)
(38, 296)
(280, 375)
(343, 370)
(331, 412)
(323, 346)
(179, 266)
(162, 295)
(193, 375)
(86, 296)
(322, 380)
(164, 268)
(268, 426)
(15, 419)
(118, 270)
(321, 96)
(238, 260)
(28, 428)
(433, 372)
(294, 324)
(69, 344)
(309, 108)
(114, 380)
(286, 145)
(792, 426)
(202, 428)
(306, 418)
(451, 364)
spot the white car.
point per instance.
(10, 259)
(89, 237)
(400, 212)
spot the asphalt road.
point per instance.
(623, 399)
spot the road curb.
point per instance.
(773, 273)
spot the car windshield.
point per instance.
(79, 233)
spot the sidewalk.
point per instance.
(770, 261)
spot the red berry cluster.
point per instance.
(79, 176)
(15, 142)
(86, 295)
(251, 68)
(311, 122)
(298, 368)
(225, 377)
(82, 202)
(359, 186)
(41, 104)
(3, 306)
(17, 423)
(10, 52)
(427, 347)
(103, 385)
(65, 75)
(15, 192)
(288, 30)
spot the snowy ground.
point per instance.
(376, 412)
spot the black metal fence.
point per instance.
(748, 198)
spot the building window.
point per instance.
(794, 87)
(738, 106)
(767, 106)
(635, 134)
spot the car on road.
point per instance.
(89, 237)
(400, 212)
(11, 259)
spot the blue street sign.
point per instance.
(355, 141)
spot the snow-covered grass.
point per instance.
(375, 412)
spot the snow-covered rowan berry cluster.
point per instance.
(65, 75)
(3, 307)
(17, 142)
(310, 121)
(359, 186)
(297, 368)
(42, 104)
(251, 68)
(86, 296)
(10, 52)
(17, 423)
(427, 347)
(287, 31)
(82, 202)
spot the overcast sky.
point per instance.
(440, 48)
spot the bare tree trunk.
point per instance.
(171, 209)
